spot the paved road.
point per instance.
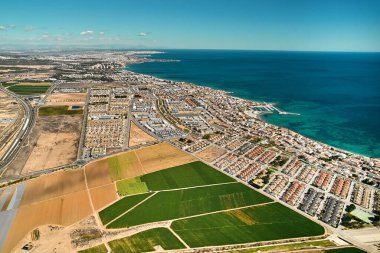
(29, 120)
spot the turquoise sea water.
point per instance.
(337, 94)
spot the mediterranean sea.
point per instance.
(337, 94)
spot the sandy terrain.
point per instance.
(51, 124)
(211, 153)
(28, 66)
(57, 146)
(366, 235)
(103, 195)
(66, 99)
(138, 136)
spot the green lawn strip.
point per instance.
(146, 241)
(97, 249)
(119, 207)
(168, 205)
(57, 110)
(187, 175)
(131, 186)
(253, 224)
(6, 84)
(29, 89)
(291, 246)
(345, 250)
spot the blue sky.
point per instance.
(318, 25)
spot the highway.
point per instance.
(28, 122)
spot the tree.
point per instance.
(350, 208)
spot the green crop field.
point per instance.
(97, 249)
(29, 89)
(272, 221)
(57, 110)
(187, 175)
(186, 202)
(345, 250)
(196, 189)
(131, 186)
(114, 210)
(146, 241)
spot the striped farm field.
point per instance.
(187, 202)
(272, 221)
(187, 175)
(116, 209)
(146, 241)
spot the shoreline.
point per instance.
(260, 116)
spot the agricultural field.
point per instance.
(116, 209)
(103, 195)
(149, 240)
(187, 202)
(58, 110)
(131, 186)
(30, 89)
(199, 199)
(60, 198)
(271, 221)
(138, 162)
(187, 175)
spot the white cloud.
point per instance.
(29, 28)
(101, 33)
(144, 34)
(87, 32)
(2, 28)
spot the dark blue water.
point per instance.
(337, 94)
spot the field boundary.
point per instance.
(133, 207)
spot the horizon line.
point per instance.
(74, 48)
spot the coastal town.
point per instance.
(331, 186)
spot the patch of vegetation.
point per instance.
(206, 137)
(7, 84)
(288, 247)
(131, 186)
(114, 210)
(345, 250)
(97, 249)
(253, 224)
(351, 221)
(187, 175)
(58, 110)
(187, 202)
(29, 89)
(279, 161)
(81, 237)
(147, 241)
